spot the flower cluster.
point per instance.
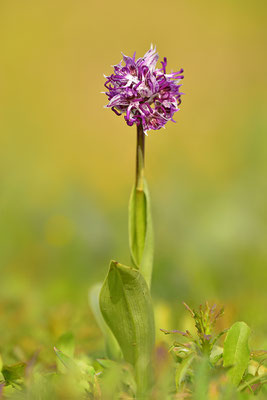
(146, 94)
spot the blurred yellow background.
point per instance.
(67, 164)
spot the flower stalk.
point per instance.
(140, 158)
(140, 200)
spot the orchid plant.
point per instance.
(148, 97)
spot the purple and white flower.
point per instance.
(145, 94)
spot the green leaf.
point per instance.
(182, 369)
(126, 306)
(112, 347)
(216, 354)
(258, 353)
(252, 381)
(236, 351)
(67, 345)
(80, 374)
(141, 238)
(66, 361)
(13, 373)
(106, 363)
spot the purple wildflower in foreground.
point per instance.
(146, 94)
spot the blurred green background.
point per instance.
(67, 164)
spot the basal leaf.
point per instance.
(126, 306)
(112, 347)
(236, 351)
(141, 239)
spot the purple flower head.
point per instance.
(145, 94)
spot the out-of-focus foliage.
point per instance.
(201, 368)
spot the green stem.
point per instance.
(140, 158)
(140, 201)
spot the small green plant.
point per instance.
(204, 367)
